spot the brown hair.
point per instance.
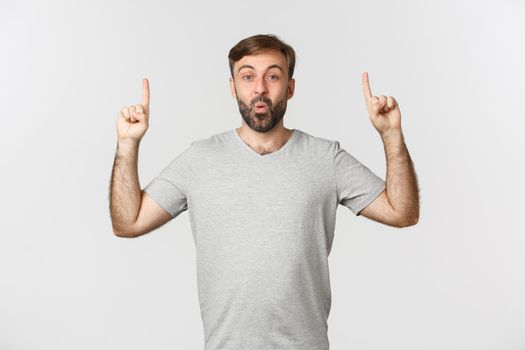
(260, 43)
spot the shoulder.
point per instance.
(213, 140)
(211, 145)
(319, 145)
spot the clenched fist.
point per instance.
(133, 120)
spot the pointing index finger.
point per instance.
(366, 86)
(145, 93)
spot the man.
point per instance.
(262, 201)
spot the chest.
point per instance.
(266, 191)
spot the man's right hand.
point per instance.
(133, 120)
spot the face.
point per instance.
(260, 85)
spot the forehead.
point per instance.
(262, 60)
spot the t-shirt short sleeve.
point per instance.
(169, 188)
(357, 186)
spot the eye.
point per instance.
(246, 76)
(275, 77)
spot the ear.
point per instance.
(232, 88)
(291, 88)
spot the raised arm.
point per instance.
(132, 212)
(398, 205)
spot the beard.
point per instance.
(265, 121)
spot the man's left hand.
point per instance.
(383, 111)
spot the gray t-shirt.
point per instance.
(263, 227)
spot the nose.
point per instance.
(260, 86)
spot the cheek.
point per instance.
(283, 95)
(284, 90)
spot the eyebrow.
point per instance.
(248, 66)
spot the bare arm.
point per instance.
(133, 212)
(398, 205)
(125, 194)
(401, 181)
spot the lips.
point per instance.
(261, 107)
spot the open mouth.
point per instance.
(261, 107)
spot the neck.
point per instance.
(264, 142)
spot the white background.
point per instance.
(453, 281)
